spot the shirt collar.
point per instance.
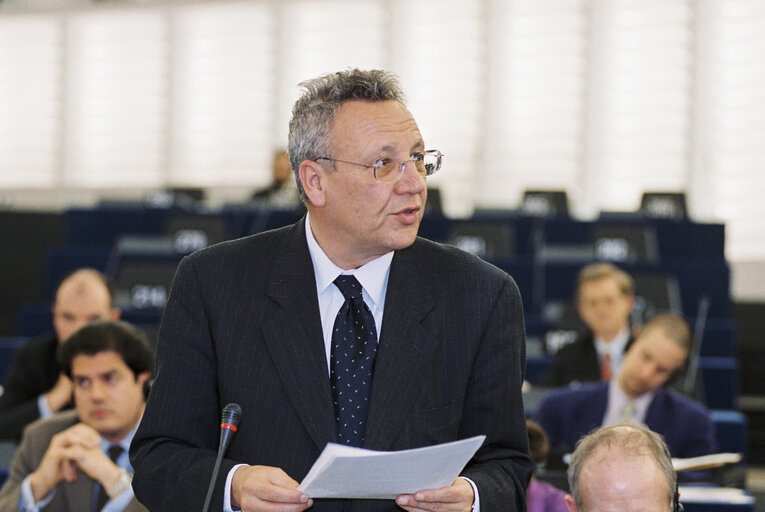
(372, 275)
(641, 403)
(616, 346)
(124, 442)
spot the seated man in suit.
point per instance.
(35, 387)
(604, 299)
(78, 460)
(622, 467)
(637, 394)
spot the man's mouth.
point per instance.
(99, 412)
(409, 211)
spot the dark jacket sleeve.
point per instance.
(33, 372)
(502, 468)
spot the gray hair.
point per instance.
(629, 439)
(315, 110)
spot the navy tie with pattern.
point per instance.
(352, 358)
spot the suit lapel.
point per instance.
(655, 415)
(293, 336)
(404, 352)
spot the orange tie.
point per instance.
(605, 367)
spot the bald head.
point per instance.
(622, 467)
(82, 297)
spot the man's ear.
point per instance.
(312, 176)
(143, 377)
(571, 504)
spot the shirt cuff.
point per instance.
(27, 499)
(120, 501)
(227, 489)
(476, 499)
(43, 407)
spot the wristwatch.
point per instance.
(123, 483)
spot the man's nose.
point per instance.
(97, 391)
(411, 180)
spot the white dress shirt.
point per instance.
(614, 349)
(617, 400)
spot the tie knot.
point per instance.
(348, 286)
(115, 451)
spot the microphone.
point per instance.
(229, 423)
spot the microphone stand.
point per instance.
(230, 417)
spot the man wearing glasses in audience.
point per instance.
(347, 310)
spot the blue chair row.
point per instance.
(101, 225)
(104, 225)
(37, 320)
(670, 238)
(718, 338)
(7, 347)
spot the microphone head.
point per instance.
(231, 416)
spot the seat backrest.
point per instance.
(486, 239)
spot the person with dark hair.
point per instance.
(604, 298)
(345, 327)
(541, 496)
(35, 387)
(622, 467)
(637, 394)
(78, 460)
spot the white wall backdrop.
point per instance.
(603, 98)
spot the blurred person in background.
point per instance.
(34, 386)
(541, 496)
(604, 298)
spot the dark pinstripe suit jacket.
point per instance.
(242, 325)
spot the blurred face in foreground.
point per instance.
(616, 482)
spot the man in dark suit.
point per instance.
(604, 298)
(35, 386)
(254, 321)
(636, 395)
(77, 460)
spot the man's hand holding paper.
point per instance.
(456, 497)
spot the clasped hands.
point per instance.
(77, 447)
(269, 489)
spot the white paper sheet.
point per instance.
(705, 461)
(696, 494)
(347, 472)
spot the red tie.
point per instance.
(605, 367)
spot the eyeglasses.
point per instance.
(427, 163)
